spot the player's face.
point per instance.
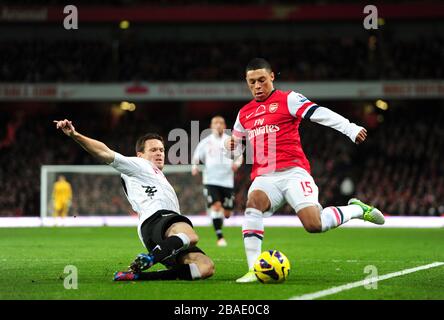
(218, 125)
(154, 152)
(260, 82)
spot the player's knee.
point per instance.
(258, 200)
(194, 238)
(253, 203)
(216, 206)
(206, 269)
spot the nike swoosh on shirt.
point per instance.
(248, 116)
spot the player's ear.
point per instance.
(272, 75)
(139, 154)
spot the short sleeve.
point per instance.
(238, 129)
(299, 106)
(127, 165)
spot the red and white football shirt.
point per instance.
(272, 128)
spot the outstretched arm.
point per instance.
(334, 120)
(300, 106)
(94, 147)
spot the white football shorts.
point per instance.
(294, 186)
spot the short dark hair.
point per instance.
(140, 144)
(258, 63)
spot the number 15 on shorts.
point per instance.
(306, 188)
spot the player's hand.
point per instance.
(230, 144)
(362, 135)
(194, 171)
(234, 167)
(66, 126)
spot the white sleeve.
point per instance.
(333, 120)
(300, 106)
(130, 166)
(238, 128)
(198, 153)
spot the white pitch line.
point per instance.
(348, 286)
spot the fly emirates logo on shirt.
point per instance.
(260, 129)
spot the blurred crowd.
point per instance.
(28, 139)
(307, 59)
(399, 168)
(403, 164)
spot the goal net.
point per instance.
(97, 190)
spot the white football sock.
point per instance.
(195, 273)
(215, 214)
(332, 217)
(253, 233)
(185, 239)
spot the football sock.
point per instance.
(217, 223)
(169, 247)
(253, 233)
(215, 214)
(332, 217)
(177, 272)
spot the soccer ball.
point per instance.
(272, 266)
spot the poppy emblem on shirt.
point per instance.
(273, 107)
(260, 110)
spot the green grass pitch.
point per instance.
(32, 264)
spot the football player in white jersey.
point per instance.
(217, 176)
(168, 235)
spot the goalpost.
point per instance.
(97, 190)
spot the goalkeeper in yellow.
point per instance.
(62, 196)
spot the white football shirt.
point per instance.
(217, 167)
(145, 186)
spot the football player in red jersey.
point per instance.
(281, 172)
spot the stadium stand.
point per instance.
(401, 158)
(98, 61)
(402, 176)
